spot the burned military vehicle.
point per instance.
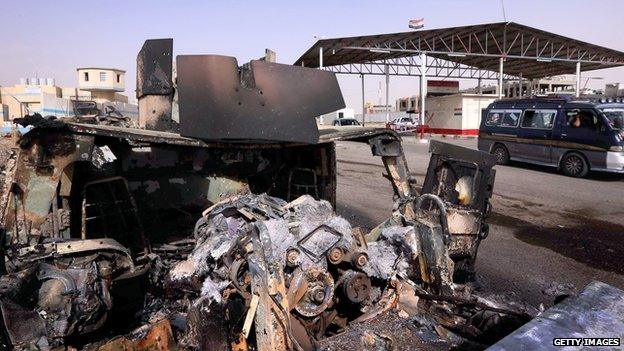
(212, 226)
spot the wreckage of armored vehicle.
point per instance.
(211, 225)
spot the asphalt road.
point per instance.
(549, 233)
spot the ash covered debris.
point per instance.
(266, 274)
(116, 237)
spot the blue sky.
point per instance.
(53, 38)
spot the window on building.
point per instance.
(118, 78)
(102, 76)
(86, 76)
(340, 114)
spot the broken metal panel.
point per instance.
(463, 179)
(389, 147)
(155, 113)
(597, 311)
(449, 164)
(155, 87)
(154, 68)
(258, 101)
(41, 162)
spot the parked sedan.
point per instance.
(403, 123)
(341, 122)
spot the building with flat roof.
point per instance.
(42, 95)
(103, 84)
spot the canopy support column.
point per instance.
(578, 79)
(423, 92)
(363, 103)
(500, 78)
(387, 94)
(520, 85)
(321, 67)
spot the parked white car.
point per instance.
(403, 123)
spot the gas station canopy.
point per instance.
(475, 51)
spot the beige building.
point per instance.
(42, 95)
(104, 84)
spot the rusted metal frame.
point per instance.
(479, 43)
(453, 69)
(581, 56)
(399, 45)
(428, 46)
(504, 41)
(411, 42)
(537, 46)
(543, 49)
(469, 31)
(558, 51)
(462, 43)
(376, 69)
(512, 44)
(444, 43)
(526, 49)
(500, 51)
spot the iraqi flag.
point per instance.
(417, 23)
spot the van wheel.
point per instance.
(574, 165)
(501, 153)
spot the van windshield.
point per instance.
(615, 117)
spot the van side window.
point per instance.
(510, 119)
(582, 119)
(494, 118)
(539, 119)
